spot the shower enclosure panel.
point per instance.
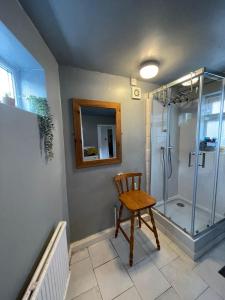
(158, 150)
(181, 147)
(209, 147)
(188, 151)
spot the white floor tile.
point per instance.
(217, 254)
(130, 294)
(79, 255)
(187, 259)
(113, 279)
(175, 269)
(189, 286)
(101, 253)
(208, 270)
(148, 280)
(93, 294)
(209, 294)
(170, 294)
(123, 249)
(164, 256)
(146, 238)
(82, 278)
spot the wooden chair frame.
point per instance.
(119, 180)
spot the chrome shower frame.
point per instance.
(209, 232)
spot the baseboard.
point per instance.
(92, 239)
(97, 237)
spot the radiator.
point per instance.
(51, 277)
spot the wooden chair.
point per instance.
(135, 200)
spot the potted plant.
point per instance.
(39, 106)
(8, 100)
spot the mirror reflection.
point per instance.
(98, 133)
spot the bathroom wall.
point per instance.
(32, 194)
(91, 209)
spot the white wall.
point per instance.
(91, 191)
(32, 194)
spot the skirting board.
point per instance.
(92, 239)
(97, 237)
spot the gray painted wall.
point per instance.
(91, 192)
(32, 194)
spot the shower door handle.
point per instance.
(190, 159)
(203, 160)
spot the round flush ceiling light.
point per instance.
(190, 82)
(149, 69)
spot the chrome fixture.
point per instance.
(187, 122)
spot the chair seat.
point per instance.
(136, 199)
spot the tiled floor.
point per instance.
(101, 272)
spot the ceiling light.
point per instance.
(190, 82)
(149, 69)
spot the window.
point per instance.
(22, 78)
(7, 89)
(210, 112)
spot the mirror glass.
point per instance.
(98, 133)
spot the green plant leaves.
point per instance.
(40, 106)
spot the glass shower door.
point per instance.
(207, 159)
(181, 141)
(158, 149)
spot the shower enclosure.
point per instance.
(188, 152)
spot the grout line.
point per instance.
(166, 291)
(127, 273)
(94, 268)
(126, 268)
(80, 259)
(87, 292)
(123, 292)
(202, 293)
(95, 275)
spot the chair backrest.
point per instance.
(126, 182)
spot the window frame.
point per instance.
(213, 117)
(8, 68)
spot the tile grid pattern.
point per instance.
(101, 271)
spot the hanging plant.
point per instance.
(39, 106)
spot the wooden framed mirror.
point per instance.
(97, 126)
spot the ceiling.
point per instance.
(115, 36)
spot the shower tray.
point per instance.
(195, 246)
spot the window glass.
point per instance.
(212, 109)
(22, 78)
(6, 84)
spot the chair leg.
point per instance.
(154, 228)
(118, 220)
(132, 239)
(139, 219)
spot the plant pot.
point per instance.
(9, 101)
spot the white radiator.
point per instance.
(51, 277)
